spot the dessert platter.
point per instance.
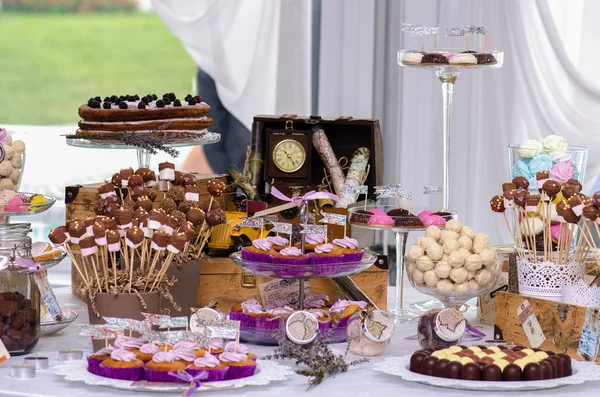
(144, 123)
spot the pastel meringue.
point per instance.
(530, 148)
(554, 142)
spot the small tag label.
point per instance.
(530, 324)
(51, 304)
(588, 343)
(282, 292)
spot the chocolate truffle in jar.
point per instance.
(441, 328)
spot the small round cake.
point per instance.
(434, 58)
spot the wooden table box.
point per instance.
(221, 281)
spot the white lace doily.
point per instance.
(399, 366)
(266, 372)
(545, 279)
(581, 294)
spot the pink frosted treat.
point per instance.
(433, 220)
(383, 220)
(556, 234)
(562, 172)
(424, 214)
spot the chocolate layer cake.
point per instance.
(491, 363)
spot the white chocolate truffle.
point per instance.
(458, 275)
(425, 241)
(467, 231)
(17, 161)
(14, 176)
(444, 258)
(442, 269)
(19, 146)
(415, 252)
(412, 57)
(483, 277)
(464, 253)
(9, 152)
(424, 263)
(433, 232)
(434, 251)
(473, 262)
(450, 246)
(430, 278)
(470, 274)
(481, 242)
(453, 225)
(488, 256)
(7, 183)
(418, 276)
(448, 235)
(455, 259)
(5, 168)
(461, 288)
(465, 242)
(474, 285)
(530, 148)
(445, 286)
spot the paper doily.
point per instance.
(581, 294)
(547, 278)
(266, 372)
(399, 366)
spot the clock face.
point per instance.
(289, 155)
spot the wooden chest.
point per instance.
(221, 281)
(80, 199)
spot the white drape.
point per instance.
(258, 52)
(538, 92)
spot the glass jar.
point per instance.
(441, 328)
(19, 295)
(370, 333)
(300, 327)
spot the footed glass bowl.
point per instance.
(403, 218)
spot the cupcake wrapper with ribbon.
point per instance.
(152, 375)
(214, 375)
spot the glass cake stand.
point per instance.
(448, 74)
(143, 155)
(399, 314)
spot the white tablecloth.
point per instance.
(360, 381)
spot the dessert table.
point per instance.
(360, 381)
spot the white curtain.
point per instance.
(538, 92)
(258, 52)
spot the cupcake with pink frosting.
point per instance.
(259, 251)
(157, 369)
(216, 370)
(128, 343)
(123, 365)
(216, 346)
(349, 248)
(312, 241)
(94, 360)
(278, 242)
(236, 347)
(271, 322)
(327, 258)
(184, 356)
(292, 262)
(240, 366)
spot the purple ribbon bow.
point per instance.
(312, 195)
(194, 381)
(4, 135)
(28, 264)
(473, 331)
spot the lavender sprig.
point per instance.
(149, 142)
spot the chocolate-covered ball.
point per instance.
(428, 364)
(185, 205)
(168, 205)
(482, 364)
(195, 216)
(532, 371)
(453, 370)
(497, 203)
(591, 212)
(512, 373)
(152, 195)
(439, 368)
(521, 182)
(116, 179)
(215, 217)
(415, 361)
(470, 371)
(520, 197)
(575, 183)
(559, 365)
(207, 206)
(189, 180)
(176, 193)
(135, 180)
(215, 187)
(178, 181)
(546, 369)
(569, 191)
(551, 188)
(491, 373)
(179, 216)
(567, 366)
(99, 207)
(542, 175)
(143, 202)
(138, 191)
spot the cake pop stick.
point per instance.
(133, 239)
(88, 250)
(159, 244)
(176, 243)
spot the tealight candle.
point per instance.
(39, 362)
(22, 371)
(67, 355)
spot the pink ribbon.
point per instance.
(194, 381)
(4, 135)
(312, 195)
(28, 264)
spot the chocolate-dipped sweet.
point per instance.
(188, 229)
(160, 241)
(546, 370)
(109, 223)
(434, 57)
(59, 235)
(532, 371)
(509, 198)
(148, 175)
(551, 188)
(569, 191)
(576, 204)
(135, 180)
(470, 371)
(453, 370)
(508, 186)
(125, 173)
(497, 203)
(215, 217)
(113, 238)
(116, 179)
(415, 361)
(178, 181)
(596, 199)
(76, 230)
(532, 202)
(99, 233)
(177, 194)
(567, 364)
(575, 183)
(139, 191)
(88, 246)
(215, 187)
(542, 176)
(169, 225)
(111, 208)
(491, 373)
(439, 368)
(565, 213)
(189, 180)
(123, 217)
(427, 365)
(185, 205)
(559, 366)
(140, 213)
(195, 215)
(521, 182)
(552, 364)
(484, 58)
(512, 373)
(166, 171)
(192, 193)
(99, 207)
(520, 197)
(143, 202)
(134, 237)
(156, 219)
(106, 190)
(591, 213)
(177, 242)
(89, 222)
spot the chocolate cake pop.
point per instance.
(178, 181)
(166, 171)
(116, 180)
(520, 198)
(497, 203)
(434, 57)
(186, 205)
(177, 242)
(59, 235)
(168, 205)
(143, 202)
(188, 229)
(176, 193)
(192, 193)
(575, 183)
(569, 191)
(215, 187)
(135, 180)
(206, 205)
(215, 217)
(551, 188)
(541, 177)
(138, 191)
(521, 182)
(99, 233)
(99, 207)
(179, 216)
(195, 216)
(106, 190)
(189, 180)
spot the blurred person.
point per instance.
(253, 56)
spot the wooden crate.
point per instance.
(80, 199)
(221, 281)
(560, 323)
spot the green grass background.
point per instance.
(52, 63)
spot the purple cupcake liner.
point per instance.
(342, 323)
(324, 325)
(94, 366)
(266, 323)
(353, 257)
(246, 320)
(240, 371)
(290, 271)
(132, 374)
(153, 375)
(214, 374)
(256, 256)
(290, 260)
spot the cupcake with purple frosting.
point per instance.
(349, 248)
(246, 313)
(94, 360)
(184, 356)
(123, 365)
(236, 347)
(210, 364)
(128, 343)
(157, 369)
(216, 346)
(278, 242)
(195, 347)
(342, 310)
(259, 251)
(146, 351)
(240, 366)
(327, 259)
(311, 241)
(292, 262)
